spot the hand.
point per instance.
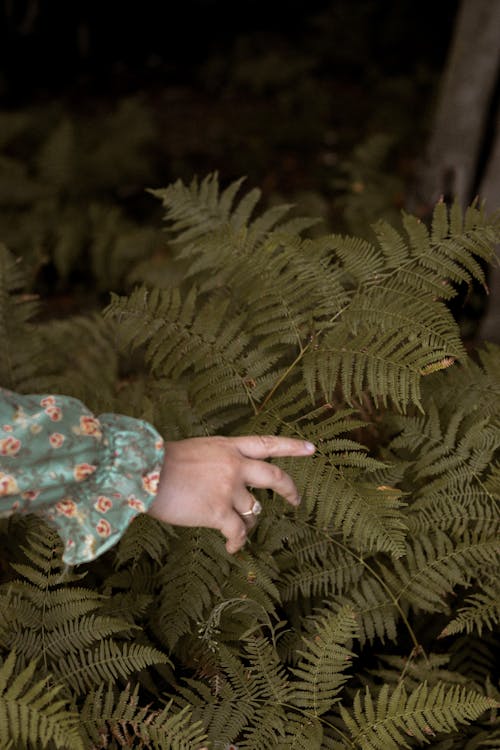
(204, 481)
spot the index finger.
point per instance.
(269, 446)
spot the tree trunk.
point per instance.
(460, 163)
(489, 328)
(450, 166)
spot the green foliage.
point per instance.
(59, 172)
(32, 713)
(369, 186)
(365, 618)
(397, 715)
(20, 344)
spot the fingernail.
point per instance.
(310, 447)
(298, 500)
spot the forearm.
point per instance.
(89, 476)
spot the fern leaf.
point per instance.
(302, 733)
(243, 212)
(314, 567)
(252, 577)
(31, 712)
(191, 580)
(397, 715)
(237, 695)
(440, 222)
(369, 516)
(273, 690)
(472, 656)
(144, 537)
(481, 610)
(455, 507)
(376, 613)
(106, 711)
(434, 566)
(192, 205)
(110, 660)
(23, 357)
(321, 670)
(416, 669)
(208, 347)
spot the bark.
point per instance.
(450, 166)
(459, 162)
(489, 328)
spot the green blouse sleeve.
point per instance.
(88, 476)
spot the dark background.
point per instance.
(325, 104)
(255, 88)
(51, 46)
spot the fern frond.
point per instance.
(452, 472)
(47, 613)
(473, 656)
(450, 253)
(434, 565)
(376, 613)
(253, 576)
(110, 660)
(106, 712)
(455, 508)
(267, 670)
(31, 712)
(387, 363)
(273, 689)
(368, 516)
(302, 733)
(23, 357)
(67, 637)
(144, 537)
(396, 715)
(416, 669)
(200, 209)
(235, 695)
(215, 353)
(481, 610)
(314, 567)
(190, 582)
(320, 672)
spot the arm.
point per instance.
(91, 476)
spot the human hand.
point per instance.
(204, 481)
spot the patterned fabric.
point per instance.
(88, 476)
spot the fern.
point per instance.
(321, 667)
(193, 575)
(248, 323)
(32, 713)
(302, 734)
(313, 566)
(109, 661)
(377, 612)
(51, 620)
(473, 657)
(108, 715)
(481, 610)
(20, 345)
(435, 565)
(397, 715)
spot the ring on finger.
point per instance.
(254, 510)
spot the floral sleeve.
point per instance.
(89, 476)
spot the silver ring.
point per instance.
(254, 511)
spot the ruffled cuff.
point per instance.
(94, 514)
